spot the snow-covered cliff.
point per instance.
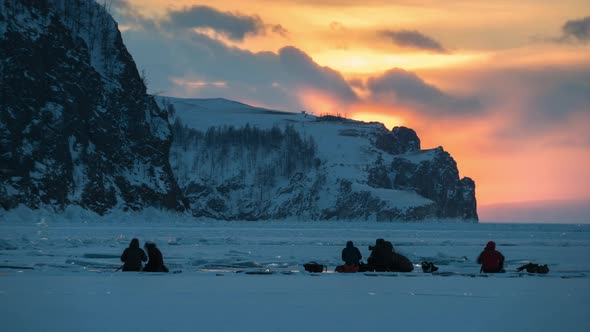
(76, 124)
(78, 128)
(234, 161)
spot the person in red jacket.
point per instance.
(491, 260)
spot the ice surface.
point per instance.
(59, 269)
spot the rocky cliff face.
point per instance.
(436, 178)
(238, 162)
(78, 128)
(76, 124)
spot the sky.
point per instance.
(504, 86)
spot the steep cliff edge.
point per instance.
(78, 128)
(76, 124)
(236, 162)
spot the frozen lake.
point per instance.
(59, 276)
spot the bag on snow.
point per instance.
(429, 267)
(534, 268)
(314, 267)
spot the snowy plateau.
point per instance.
(237, 162)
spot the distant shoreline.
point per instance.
(558, 211)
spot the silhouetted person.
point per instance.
(384, 258)
(133, 256)
(156, 262)
(381, 256)
(491, 261)
(351, 256)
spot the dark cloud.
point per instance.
(400, 87)
(280, 30)
(551, 101)
(124, 13)
(272, 79)
(413, 39)
(577, 30)
(357, 83)
(550, 95)
(234, 26)
(558, 99)
(565, 92)
(301, 68)
(117, 4)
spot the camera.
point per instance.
(371, 248)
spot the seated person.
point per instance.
(156, 261)
(351, 256)
(133, 256)
(380, 257)
(384, 258)
(491, 261)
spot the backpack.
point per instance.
(534, 268)
(314, 267)
(429, 267)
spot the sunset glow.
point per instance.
(503, 86)
(369, 61)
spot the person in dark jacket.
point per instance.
(384, 258)
(351, 256)
(156, 262)
(381, 256)
(133, 256)
(491, 261)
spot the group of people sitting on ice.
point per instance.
(383, 258)
(133, 256)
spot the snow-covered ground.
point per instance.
(57, 274)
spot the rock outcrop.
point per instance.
(436, 178)
(76, 124)
(273, 165)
